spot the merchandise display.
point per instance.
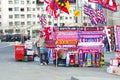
(70, 46)
(66, 43)
(24, 52)
(114, 66)
(90, 46)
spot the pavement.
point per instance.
(10, 69)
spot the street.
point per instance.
(18, 70)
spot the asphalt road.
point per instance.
(17, 70)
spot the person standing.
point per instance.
(40, 43)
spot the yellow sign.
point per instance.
(66, 41)
(77, 13)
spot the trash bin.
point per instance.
(19, 51)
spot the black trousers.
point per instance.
(43, 58)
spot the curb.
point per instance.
(74, 78)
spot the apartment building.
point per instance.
(17, 15)
(116, 15)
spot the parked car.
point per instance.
(6, 37)
(16, 37)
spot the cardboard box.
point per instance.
(28, 44)
(117, 54)
(110, 69)
(116, 70)
(114, 62)
(30, 52)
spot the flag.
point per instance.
(42, 19)
(94, 1)
(63, 5)
(108, 34)
(96, 16)
(108, 4)
(52, 8)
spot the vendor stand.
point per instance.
(90, 46)
(66, 44)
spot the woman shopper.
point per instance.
(40, 43)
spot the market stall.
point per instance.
(66, 44)
(90, 46)
(24, 52)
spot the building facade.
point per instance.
(17, 15)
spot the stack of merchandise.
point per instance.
(90, 46)
(29, 51)
(66, 43)
(114, 65)
(115, 62)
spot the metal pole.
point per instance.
(76, 7)
(56, 57)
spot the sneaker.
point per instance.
(45, 63)
(41, 64)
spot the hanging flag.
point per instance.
(108, 4)
(42, 19)
(96, 16)
(94, 1)
(108, 34)
(63, 5)
(72, 1)
(51, 8)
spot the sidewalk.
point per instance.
(92, 78)
(108, 56)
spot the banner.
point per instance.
(66, 41)
(96, 16)
(66, 35)
(117, 37)
(108, 4)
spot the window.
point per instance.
(28, 15)
(16, 8)
(22, 23)
(22, 9)
(38, 22)
(33, 15)
(61, 17)
(33, 22)
(28, 1)
(33, 9)
(49, 23)
(33, 2)
(22, 1)
(10, 2)
(10, 23)
(49, 16)
(66, 17)
(28, 22)
(42, 9)
(16, 1)
(22, 16)
(17, 22)
(38, 9)
(10, 16)
(28, 9)
(16, 15)
(70, 17)
(0, 23)
(10, 9)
